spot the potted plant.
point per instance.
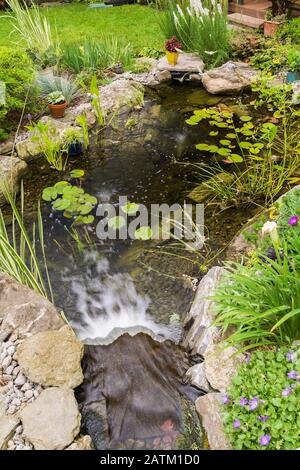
(293, 58)
(72, 141)
(57, 104)
(173, 47)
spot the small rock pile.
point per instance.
(17, 388)
(18, 442)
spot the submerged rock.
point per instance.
(52, 358)
(24, 310)
(230, 78)
(208, 408)
(52, 421)
(11, 171)
(202, 97)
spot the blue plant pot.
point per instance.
(292, 77)
(76, 149)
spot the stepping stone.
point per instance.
(245, 20)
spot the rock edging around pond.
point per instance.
(40, 365)
(213, 375)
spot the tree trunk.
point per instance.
(279, 7)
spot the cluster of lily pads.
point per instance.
(71, 200)
(239, 138)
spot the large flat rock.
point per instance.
(52, 421)
(189, 63)
(230, 78)
(40, 358)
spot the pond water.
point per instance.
(116, 292)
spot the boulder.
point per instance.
(6, 146)
(52, 421)
(196, 376)
(52, 358)
(187, 63)
(81, 443)
(199, 334)
(230, 78)
(25, 311)
(121, 95)
(11, 171)
(8, 425)
(221, 366)
(208, 408)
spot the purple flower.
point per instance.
(264, 440)
(243, 401)
(253, 404)
(247, 358)
(29, 117)
(293, 220)
(292, 374)
(263, 418)
(290, 356)
(225, 400)
(236, 424)
(286, 392)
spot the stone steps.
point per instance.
(245, 20)
(257, 10)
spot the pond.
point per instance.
(125, 298)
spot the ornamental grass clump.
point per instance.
(261, 409)
(201, 26)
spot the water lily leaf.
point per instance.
(131, 208)
(247, 132)
(85, 209)
(230, 135)
(87, 219)
(235, 158)
(223, 152)
(61, 204)
(245, 118)
(193, 120)
(212, 148)
(214, 133)
(91, 199)
(116, 222)
(67, 215)
(254, 150)
(77, 173)
(74, 191)
(222, 125)
(225, 142)
(245, 145)
(143, 233)
(202, 147)
(49, 194)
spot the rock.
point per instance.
(199, 334)
(20, 380)
(94, 423)
(162, 76)
(196, 376)
(11, 171)
(6, 147)
(24, 310)
(239, 248)
(52, 421)
(8, 425)
(52, 358)
(81, 443)
(221, 366)
(208, 408)
(27, 149)
(121, 95)
(186, 63)
(230, 78)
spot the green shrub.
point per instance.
(16, 72)
(290, 31)
(261, 410)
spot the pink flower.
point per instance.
(293, 220)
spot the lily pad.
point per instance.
(143, 233)
(116, 222)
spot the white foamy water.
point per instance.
(105, 303)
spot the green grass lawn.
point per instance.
(132, 23)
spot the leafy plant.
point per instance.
(67, 87)
(16, 72)
(290, 31)
(272, 97)
(49, 143)
(82, 121)
(271, 57)
(33, 27)
(261, 410)
(18, 255)
(261, 301)
(172, 45)
(96, 102)
(56, 97)
(71, 200)
(71, 136)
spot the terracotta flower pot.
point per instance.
(172, 57)
(270, 28)
(58, 110)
